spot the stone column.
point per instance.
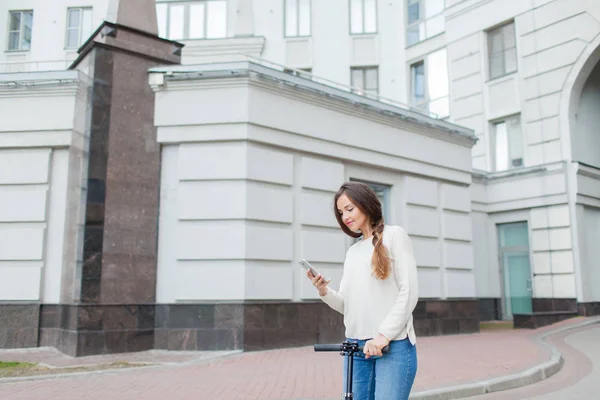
(111, 308)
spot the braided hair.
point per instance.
(365, 199)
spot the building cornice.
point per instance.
(588, 170)
(282, 83)
(69, 75)
(487, 203)
(363, 111)
(515, 174)
(46, 84)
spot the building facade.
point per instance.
(508, 225)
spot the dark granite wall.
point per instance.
(199, 326)
(546, 312)
(548, 305)
(444, 317)
(132, 187)
(97, 167)
(248, 326)
(81, 330)
(589, 309)
(19, 325)
(538, 320)
(256, 326)
(121, 227)
(268, 326)
(490, 309)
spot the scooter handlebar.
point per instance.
(339, 347)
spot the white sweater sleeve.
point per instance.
(335, 299)
(405, 273)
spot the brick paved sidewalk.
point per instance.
(291, 373)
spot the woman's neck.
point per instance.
(367, 232)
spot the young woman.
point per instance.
(378, 293)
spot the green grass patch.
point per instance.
(10, 369)
(15, 364)
(496, 325)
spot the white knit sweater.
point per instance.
(370, 305)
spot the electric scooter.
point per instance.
(348, 350)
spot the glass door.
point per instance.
(516, 270)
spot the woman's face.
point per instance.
(351, 215)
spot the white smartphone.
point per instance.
(309, 267)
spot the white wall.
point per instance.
(539, 197)
(589, 238)
(487, 276)
(587, 212)
(247, 193)
(37, 170)
(225, 221)
(24, 176)
(56, 230)
(318, 236)
(552, 248)
(33, 191)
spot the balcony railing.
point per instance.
(33, 66)
(373, 96)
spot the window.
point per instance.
(383, 194)
(192, 19)
(502, 50)
(425, 20)
(507, 144)
(79, 26)
(297, 18)
(429, 84)
(19, 30)
(417, 72)
(365, 80)
(363, 16)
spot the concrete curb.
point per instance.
(533, 375)
(164, 365)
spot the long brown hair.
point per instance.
(363, 197)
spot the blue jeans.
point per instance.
(389, 377)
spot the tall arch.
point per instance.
(580, 97)
(579, 108)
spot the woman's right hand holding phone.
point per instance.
(319, 282)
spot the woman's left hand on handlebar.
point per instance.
(375, 346)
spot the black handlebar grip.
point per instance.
(328, 347)
(386, 349)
